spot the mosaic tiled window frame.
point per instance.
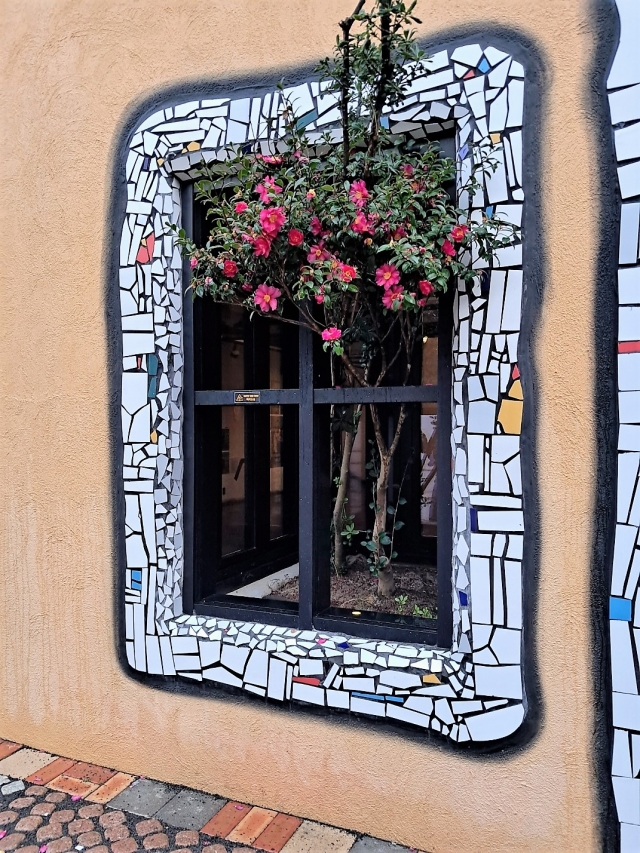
(473, 692)
(623, 87)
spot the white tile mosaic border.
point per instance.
(623, 86)
(474, 691)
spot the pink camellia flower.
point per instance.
(317, 253)
(241, 206)
(426, 288)
(261, 246)
(407, 170)
(398, 232)
(358, 193)
(272, 219)
(229, 269)
(458, 233)
(346, 273)
(266, 187)
(392, 297)
(247, 288)
(295, 237)
(274, 161)
(387, 276)
(448, 248)
(361, 225)
(315, 226)
(311, 194)
(266, 297)
(331, 334)
(194, 263)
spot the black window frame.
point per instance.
(313, 611)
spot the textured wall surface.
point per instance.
(70, 74)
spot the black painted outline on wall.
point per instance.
(526, 51)
(605, 26)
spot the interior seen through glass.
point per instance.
(258, 481)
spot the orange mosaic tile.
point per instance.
(251, 826)
(276, 835)
(111, 788)
(226, 820)
(50, 771)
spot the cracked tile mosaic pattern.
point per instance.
(624, 605)
(471, 692)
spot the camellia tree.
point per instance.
(356, 242)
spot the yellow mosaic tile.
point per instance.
(431, 679)
(510, 416)
(515, 392)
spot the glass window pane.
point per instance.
(233, 469)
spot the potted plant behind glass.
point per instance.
(360, 239)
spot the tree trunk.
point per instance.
(385, 573)
(338, 539)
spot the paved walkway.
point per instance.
(50, 804)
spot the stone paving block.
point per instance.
(55, 797)
(111, 819)
(8, 817)
(10, 842)
(127, 845)
(50, 771)
(44, 809)
(62, 815)
(111, 788)
(157, 841)
(190, 809)
(144, 797)
(146, 827)
(276, 835)
(90, 773)
(90, 811)
(12, 787)
(78, 826)
(187, 838)
(29, 823)
(226, 820)
(22, 802)
(7, 747)
(117, 832)
(316, 838)
(35, 790)
(23, 762)
(49, 831)
(251, 826)
(89, 839)
(376, 845)
(73, 787)
(60, 845)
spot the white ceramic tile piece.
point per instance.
(626, 64)
(626, 711)
(495, 725)
(622, 665)
(629, 226)
(629, 179)
(629, 286)
(629, 371)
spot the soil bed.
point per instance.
(356, 590)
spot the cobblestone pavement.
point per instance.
(50, 804)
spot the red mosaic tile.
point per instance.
(277, 833)
(90, 773)
(251, 826)
(629, 346)
(50, 771)
(301, 679)
(226, 820)
(7, 748)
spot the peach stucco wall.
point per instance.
(71, 71)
